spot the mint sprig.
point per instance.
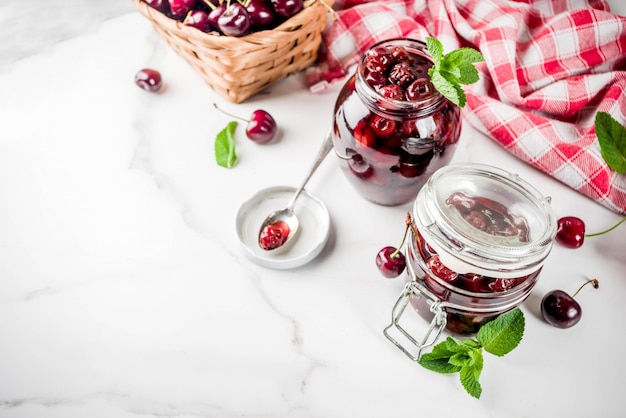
(453, 69)
(498, 337)
(225, 155)
(612, 138)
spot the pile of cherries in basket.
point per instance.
(229, 17)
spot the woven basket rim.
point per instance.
(257, 37)
(239, 67)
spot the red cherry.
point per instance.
(160, 5)
(364, 134)
(198, 19)
(390, 262)
(215, 14)
(261, 126)
(235, 21)
(420, 89)
(560, 309)
(261, 14)
(570, 232)
(444, 273)
(287, 8)
(149, 80)
(180, 8)
(392, 91)
(382, 126)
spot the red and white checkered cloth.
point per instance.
(550, 66)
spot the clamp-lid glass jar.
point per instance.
(480, 238)
(392, 128)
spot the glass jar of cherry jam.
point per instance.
(480, 236)
(392, 128)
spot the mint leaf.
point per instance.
(225, 155)
(498, 337)
(469, 55)
(452, 69)
(503, 334)
(453, 345)
(469, 376)
(440, 365)
(469, 73)
(450, 89)
(612, 138)
(461, 359)
(435, 48)
(438, 359)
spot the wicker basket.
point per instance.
(237, 68)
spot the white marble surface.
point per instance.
(123, 290)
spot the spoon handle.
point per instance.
(327, 145)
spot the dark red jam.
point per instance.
(392, 128)
(475, 292)
(274, 235)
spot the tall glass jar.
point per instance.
(392, 128)
(480, 238)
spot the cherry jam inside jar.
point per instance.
(480, 238)
(392, 128)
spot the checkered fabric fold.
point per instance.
(550, 66)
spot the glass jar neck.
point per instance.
(380, 104)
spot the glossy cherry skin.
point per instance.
(215, 14)
(198, 19)
(560, 309)
(262, 127)
(235, 21)
(261, 14)
(570, 232)
(149, 80)
(287, 8)
(389, 266)
(160, 5)
(180, 8)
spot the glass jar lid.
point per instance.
(484, 220)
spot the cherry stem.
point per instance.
(608, 230)
(229, 114)
(395, 253)
(409, 223)
(208, 3)
(595, 282)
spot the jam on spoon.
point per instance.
(281, 226)
(273, 235)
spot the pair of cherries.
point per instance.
(261, 127)
(558, 308)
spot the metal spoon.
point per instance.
(283, 224)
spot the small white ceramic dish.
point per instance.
(311, 237)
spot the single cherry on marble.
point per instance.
(571, 231)
(149, 79)
(261, 127)
(390, 261)
(560, 309)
